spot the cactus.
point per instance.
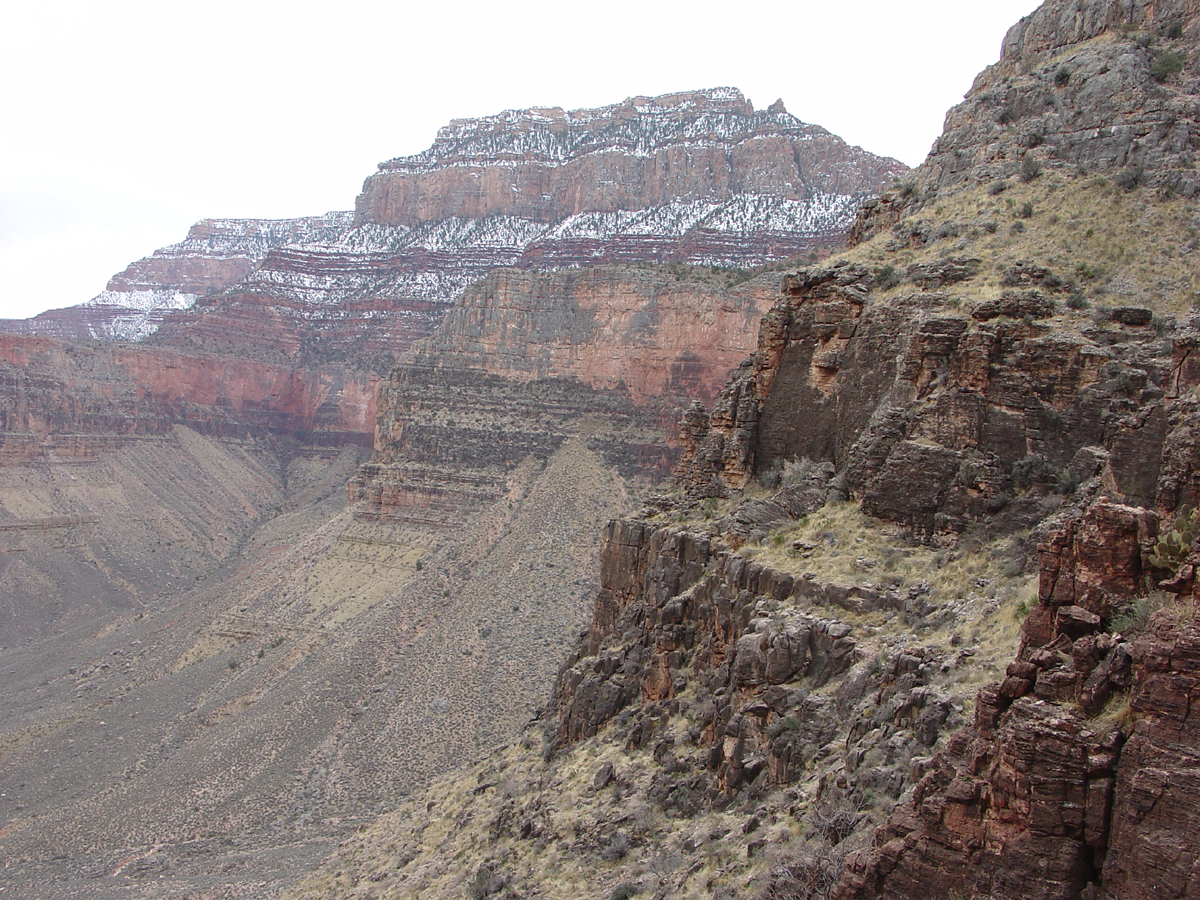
(1175, 546)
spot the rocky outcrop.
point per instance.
(63, 400)
(447, 440)
(936, 416)
(1151, 846)
(679, 614)
(1041, 798)
(1096, 87)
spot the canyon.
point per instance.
(865, 576)
(909, 620)
(163, 641)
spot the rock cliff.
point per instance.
(1097, 87)
(523, 360)
(647, 152)
(699, 177)
(63, 400)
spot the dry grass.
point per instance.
(1119, 247)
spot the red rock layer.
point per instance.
(658, 337)
(67, 400)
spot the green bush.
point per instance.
(887, 277)
(1165, 64)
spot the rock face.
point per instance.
(700, 619)
(525, 359)
(662, 153)
(666, 339)
(1041, 798)
(950, 392)
(60, 400)
(1095, 87)
(937, 416)
(215, 254)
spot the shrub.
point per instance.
(887, 277)
(1026, 210)
(1128, 179)
(1033, 470)
(1030, 169)
(623, 891)
(1133, 620)
(1062, 77)
(617, 848)
(1165, 64)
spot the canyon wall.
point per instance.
(63, 400)
(1073, 92)
(523, 360)
(549, 164)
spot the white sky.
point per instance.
(124, 122)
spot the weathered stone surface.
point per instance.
(548, 164)
(1152, 848)
(932, 418)
(666, 339)
(1074, 90)
(1014, 814)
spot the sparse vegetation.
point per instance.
(1165, 64)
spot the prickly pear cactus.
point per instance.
(1175, 546)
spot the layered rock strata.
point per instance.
(549, 164)
(936, 416)
(62, 400)
(525, 359)
(1040, 798)
(699, 178)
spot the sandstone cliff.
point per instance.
(549, 164)
(62, 400)
(665, 336)
(524, 360)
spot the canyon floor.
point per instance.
(282, 671)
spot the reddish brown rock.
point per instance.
(1152, 847)
(66, 400)
(548, 164)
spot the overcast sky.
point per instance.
(124, 122)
